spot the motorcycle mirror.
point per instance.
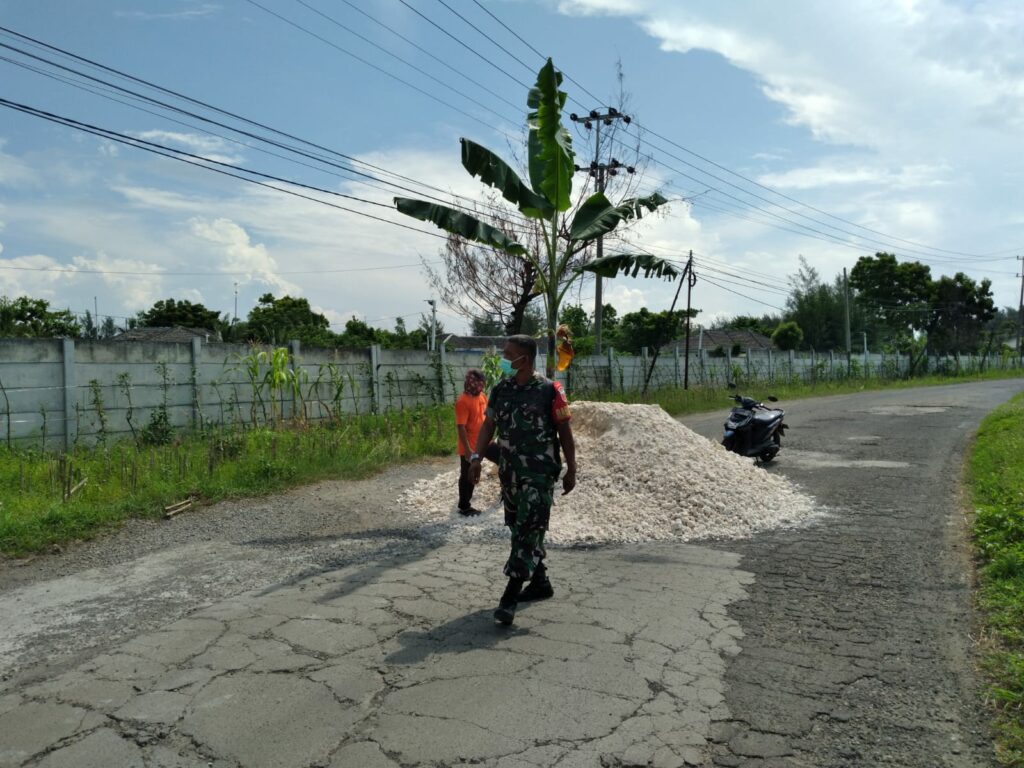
(772, 399)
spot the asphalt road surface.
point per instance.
(845, 642)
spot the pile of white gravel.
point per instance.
(642, 477)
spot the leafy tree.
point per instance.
(817, 308)
(788, 335)
(169, 312)
(577, 319)
(545, 199)
(960, 309)
(26, 317)
(649, 329)
(108, 328)
(89, 328)
(765, 324)
(276, 321)
(486, 326)
(893, 296)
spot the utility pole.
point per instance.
(433, 323)
(235, 318)
(846, 321)
(689, 276)
(1020, 310)
(691, 280)
(598, 170)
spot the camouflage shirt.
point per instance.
(526, 419)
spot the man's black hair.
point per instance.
(526, 343)
(476, 373)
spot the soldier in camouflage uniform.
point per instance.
(531, 417)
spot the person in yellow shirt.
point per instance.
(469, 417)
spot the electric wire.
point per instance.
(426, 52)
(370, 64)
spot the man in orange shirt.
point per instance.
(469, 417)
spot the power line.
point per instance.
(425, 51)
(465, 45)
(383, 71)
(180, 155)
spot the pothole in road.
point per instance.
(817, 460)
(907, 410)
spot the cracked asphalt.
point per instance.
(845, 642)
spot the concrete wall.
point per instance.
(56, 389)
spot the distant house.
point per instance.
(175, 333)
(727, 339)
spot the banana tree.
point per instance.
(546, 198)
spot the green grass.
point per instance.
(996, 479)
(122, 481)
(679, 402)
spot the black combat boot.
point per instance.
(507, 605)
(539, 587)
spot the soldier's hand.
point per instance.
(474, 471)
(568, 480)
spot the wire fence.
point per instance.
(59, 393)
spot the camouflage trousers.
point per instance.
(527, 512)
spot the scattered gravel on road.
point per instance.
(642, 477)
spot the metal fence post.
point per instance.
(678, 378)
(440, 371)
(294, 347)
(197, 356)
(70, 426)
(375, 404)
(792, 365)
(611, 373)
(749, 369)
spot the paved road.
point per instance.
(842, 643)
(856, 646)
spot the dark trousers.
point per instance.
(465, 484)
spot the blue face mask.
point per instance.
(506, 366)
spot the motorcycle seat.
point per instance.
(767, 416)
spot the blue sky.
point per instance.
(886, 125)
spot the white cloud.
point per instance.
(211, 147)
(186, 14)
(234, 252)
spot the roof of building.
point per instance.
(176, 333)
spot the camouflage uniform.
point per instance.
(528, 466)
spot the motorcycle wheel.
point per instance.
(770, 453)
(729, 443)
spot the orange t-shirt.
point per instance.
(469, 413)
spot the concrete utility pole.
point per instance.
(846, 301)
(598, 170)
(235, 318)
(1020, 309)
(433, 323)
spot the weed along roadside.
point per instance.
(996, 478)
(59, 497)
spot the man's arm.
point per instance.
(482, 441)
(569, 449)
(464, 440)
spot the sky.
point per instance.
(827, 131)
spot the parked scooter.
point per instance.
(754, 429)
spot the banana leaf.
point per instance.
(549, 144)
(597, 216)
(631, 264)
(495, 172)
(459, 223)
